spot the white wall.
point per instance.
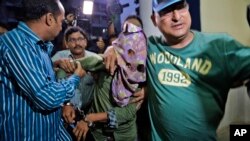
(226, 16)
(145, 13)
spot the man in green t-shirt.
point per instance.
(189, 74)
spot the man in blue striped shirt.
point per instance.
(30, 97)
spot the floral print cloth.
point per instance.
(131, 50)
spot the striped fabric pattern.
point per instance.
(30, 98)
(112, 119)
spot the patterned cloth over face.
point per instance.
(131, 49)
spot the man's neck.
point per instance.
(77, 56)
(40, 32)
(181, 42)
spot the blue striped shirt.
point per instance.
(30, 98)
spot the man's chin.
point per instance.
(78, 50)
(180, 34)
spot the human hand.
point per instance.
(66, 64)
(139, 96)
(81, 130)
(110, 59)
(68, 113)
(79, 70)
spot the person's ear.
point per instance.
(50, 19)
(153, 19)
(86, 43)
(65, 43)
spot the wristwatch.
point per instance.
(90, 123)
(67, 104)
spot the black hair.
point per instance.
(135, 17)
(71, 11)
(113, 36)
(35, 9)
(72, 29)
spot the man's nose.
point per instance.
(176, 15)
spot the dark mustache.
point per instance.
(78, 47)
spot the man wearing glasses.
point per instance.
(76, 42)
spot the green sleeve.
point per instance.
(237, 56)
(90, 63)
(125, 114)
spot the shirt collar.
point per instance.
(46, 46)
(24, 28)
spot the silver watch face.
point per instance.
(90, 124)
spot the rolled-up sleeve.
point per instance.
(120, 115)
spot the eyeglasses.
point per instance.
(74, 40)
(169, 11)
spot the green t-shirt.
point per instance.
(188, 87)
